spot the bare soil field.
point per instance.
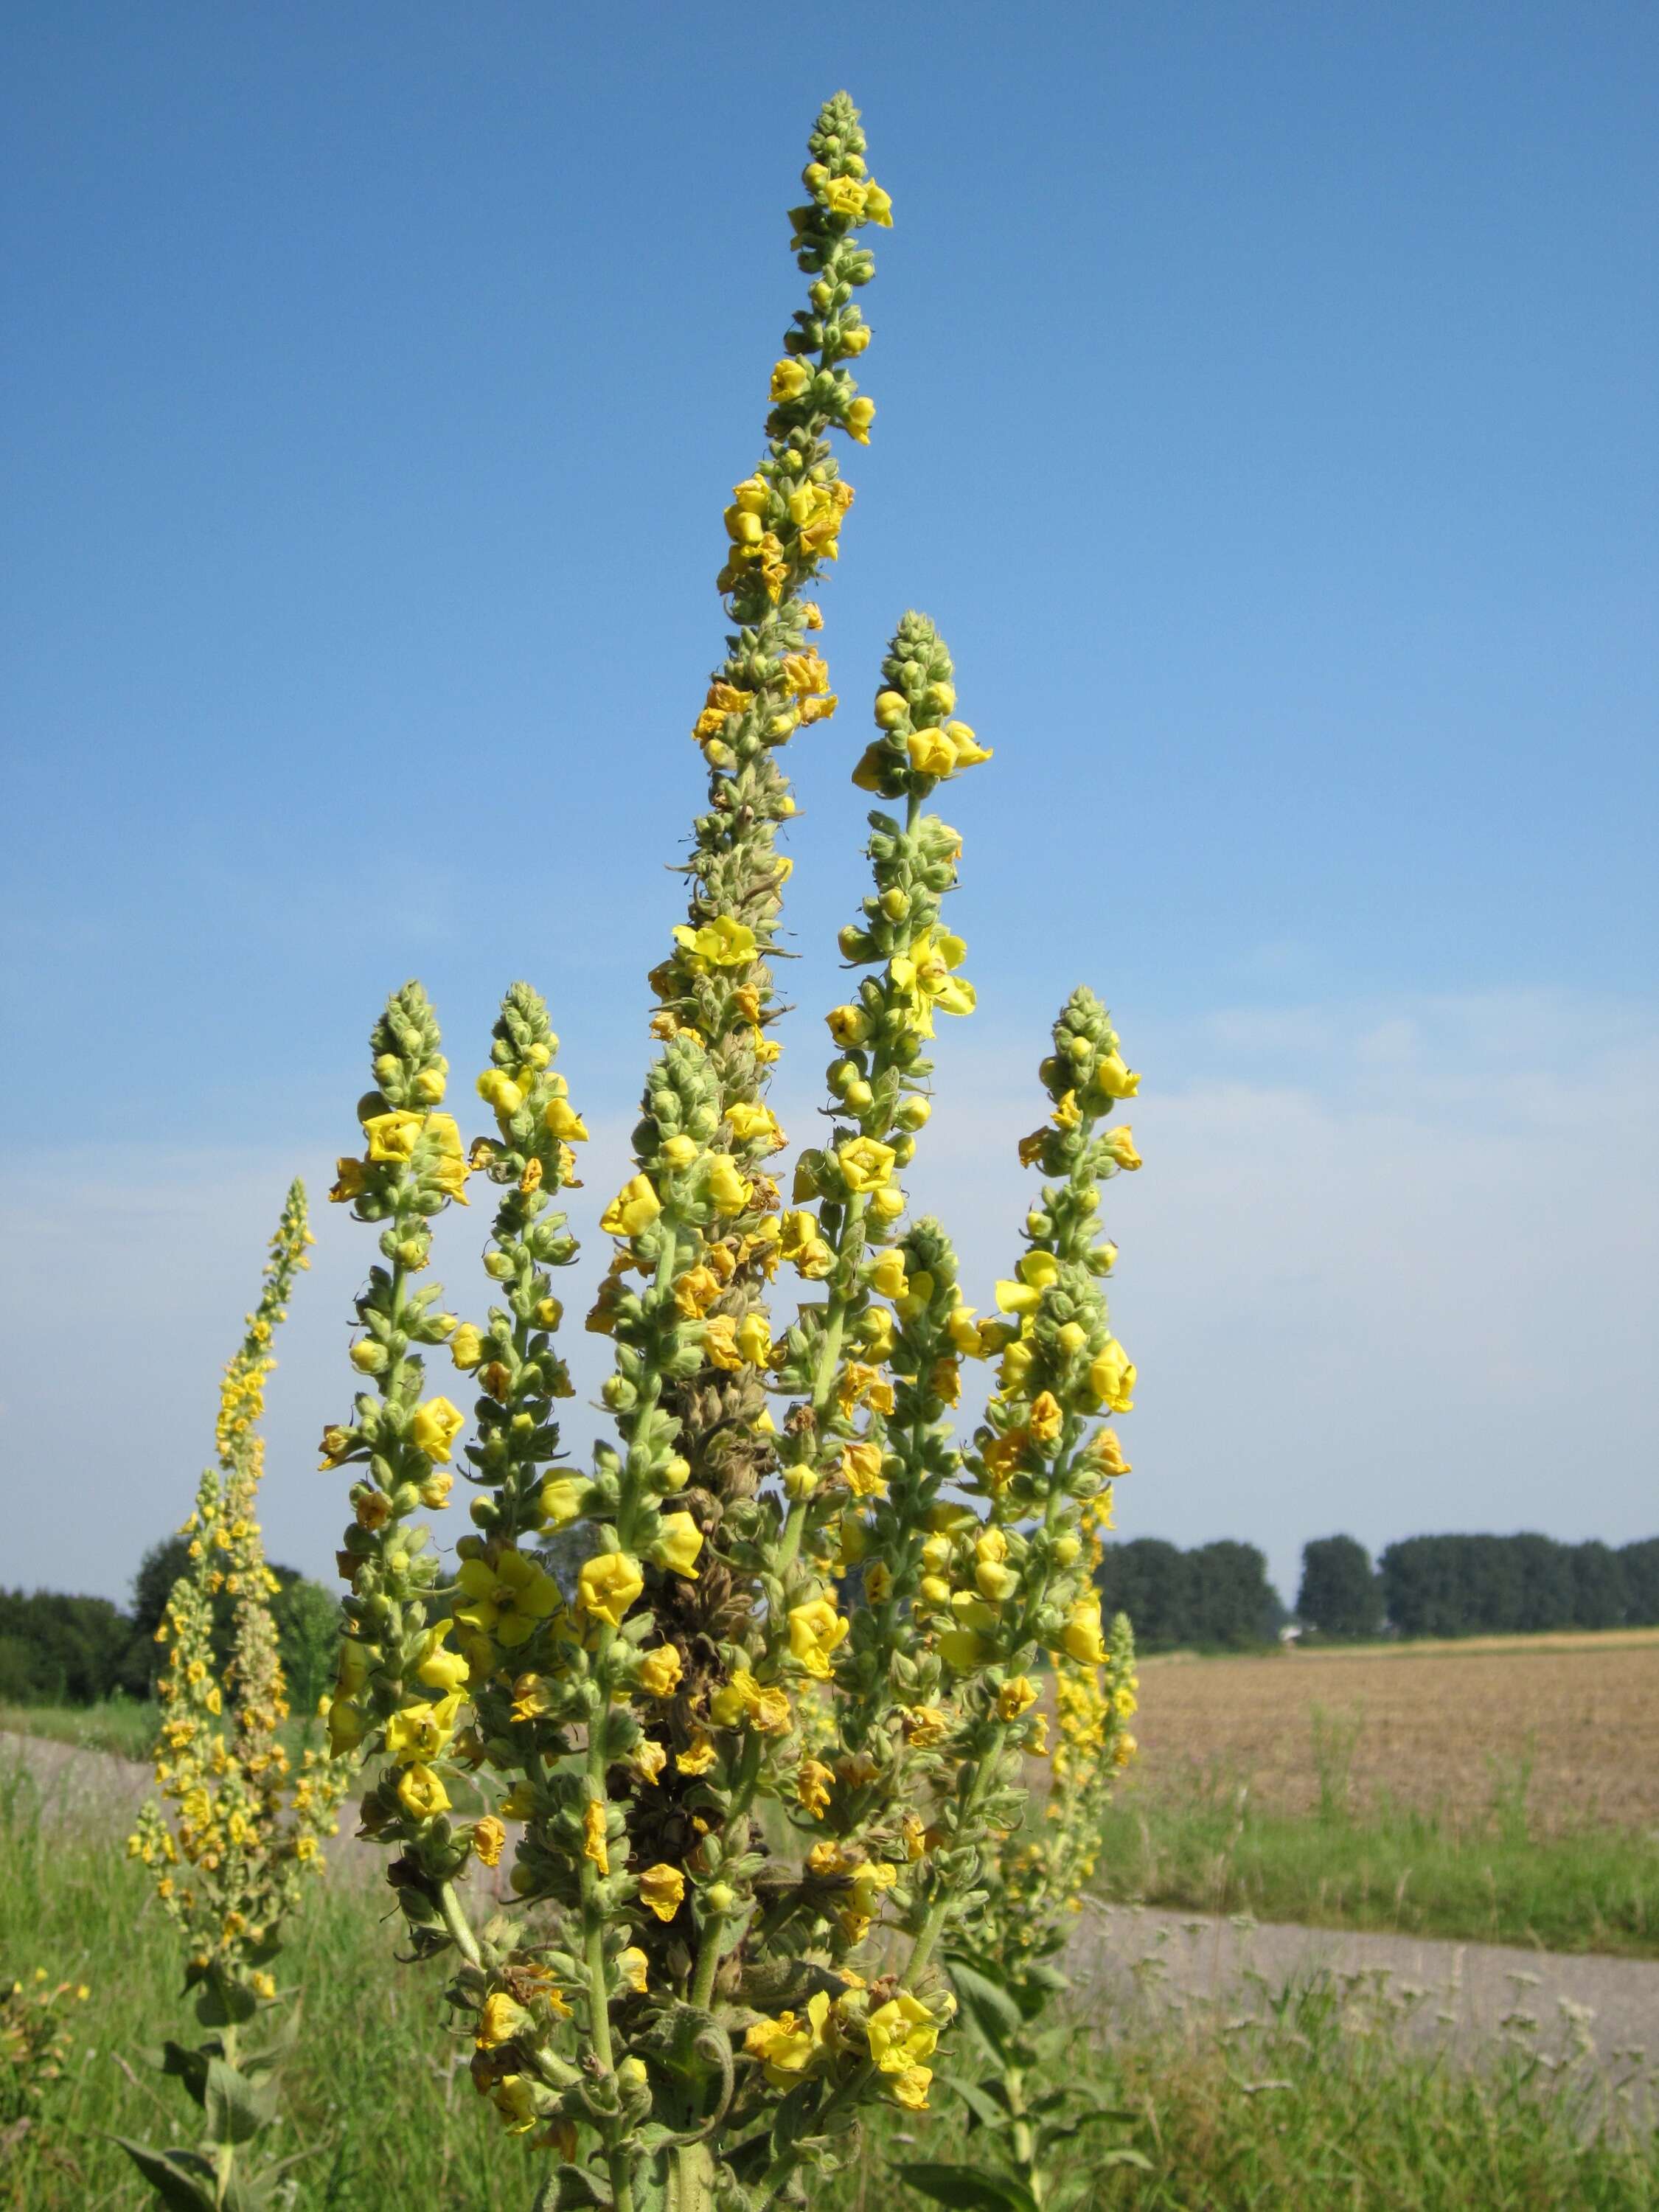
(1569, 1725)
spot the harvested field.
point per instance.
(1565, 1727)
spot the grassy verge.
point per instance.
(124, 1726)
(1301, 2110)
(1491, 1880)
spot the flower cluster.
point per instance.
(244, 1826)
(749, 1699)
(35, 2038)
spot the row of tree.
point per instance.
(1216, 1596)
(1521, 1585)
(75, 1651)
(56, 1650)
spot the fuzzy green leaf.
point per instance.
(236, 2108)
(182, 2179)
(967, 2188)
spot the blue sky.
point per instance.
(1266, 417)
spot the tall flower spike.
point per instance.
(245, 1829)
(784, 526)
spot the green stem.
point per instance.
(461, 1928)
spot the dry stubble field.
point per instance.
(1428, 1727)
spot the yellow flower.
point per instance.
(877, 207)
(698, 1756)
(419, 1732)
(506, 1601)
(925, 1725)
(789, 380)
(788, 2045)
(1118, 1144)
(435, 1426)
(422, 1795)
(1045, 1418)
(1107, 1452)
(631, 1967)
(910, 2088)
(886, 1274)
(815, 1630)
(498, 1090)
(1112, 1079)
(848, 1025)
(805, 672)
(678, 1547)
(902, 2033)
(564, 1122)
(515, 2098)
(1112, 1377)
(930, 752)
(719, 1343)
(754, 1338)
(633, 1210)
(862, 1465)
(466, 1347)
(812, 1780)
(263, 1986)
(562, 1500)
(752, 1124)
(926, 980)
(392, 1136)
(1081, 1635)
(965, 745)
(1016, 1696)
(500, 2019)
(607, 1585)
(845, 196)
(860, 415)
(727, 1191)
(865, 1163)
(594, 1843)
(800, 1241)
(351, 1181)
(659, 1671)
(722, 943)
(488, 1837)
(662, 1890)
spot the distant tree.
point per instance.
(1151, 1581)
(1548, 1594)
(1341, 1595)
(1234, 1604)
(307, 1620)
(59, 1649)
(1423, 1587)
(1598, 1581)
(1640, 1564)
(1216, 1594)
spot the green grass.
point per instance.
(123, 1726)
(1308, 2110)
(1494, 1880)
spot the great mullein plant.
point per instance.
(677, 2005)
(1009, 2068)
(235, 1827)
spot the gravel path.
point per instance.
(1132, 1959)
(1137, 1960)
